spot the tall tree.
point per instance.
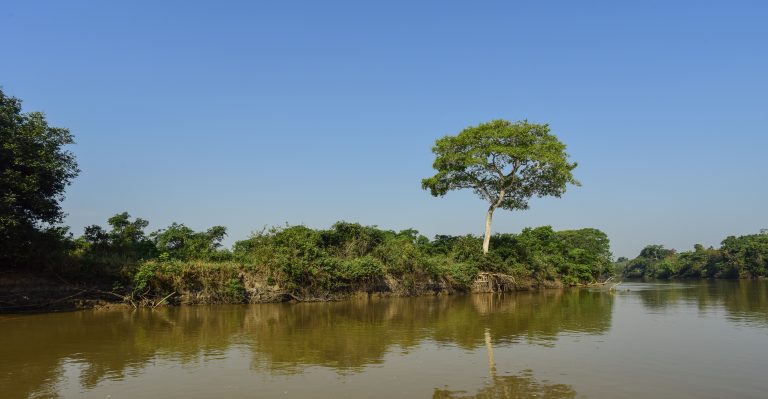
(505, 163)
(34, 171)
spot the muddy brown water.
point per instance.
(648, 340)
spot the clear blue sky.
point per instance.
(248, 114)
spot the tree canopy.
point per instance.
(505, 163)
(181, 242)
(34, 171)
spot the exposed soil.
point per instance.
(28, 292)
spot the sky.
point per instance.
(262, 113)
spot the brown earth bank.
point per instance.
(29, 293)
(22, 292)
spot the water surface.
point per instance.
(648, 340)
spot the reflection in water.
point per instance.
(352, 334)
(523, 385)
(513, 387)
(282, 338)
(654, 333)
(745, 301)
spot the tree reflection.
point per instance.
(350, 335)
(745, 301)
(522, 385)
(282, 338)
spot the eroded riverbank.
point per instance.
(30, 293)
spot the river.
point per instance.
(701, 339)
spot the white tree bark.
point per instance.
(487, 238)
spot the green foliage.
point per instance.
(349, 253)
(466, 249)
(594, 246)
(144, 275)
(115, 251)
(34, 171)
(236, 290)
(297, 253)
(212, 282)
(462, 273)
(737, 257)
(573, 256)
(745, 256)
(364, 269)
(305, 261)
(504, 163)
(352, 239)
(620, 265)
(293, 254)
(120, 250)
(400, 255)
(46, 249)
(181, 242)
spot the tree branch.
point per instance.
(512, 174)
(484, 190)
(496, 167)
(478, 185)
(500, 199)
(515, 167)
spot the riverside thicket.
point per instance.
(743, 257)
(298, 262)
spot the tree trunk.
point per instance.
(487, 239)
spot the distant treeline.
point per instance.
(301, 259)
(737, 257)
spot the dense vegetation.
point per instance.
(737, 257)
(34, 171)
(305, 262)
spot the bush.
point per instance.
(180, 242)
(365, 269)
(235, 290)
(400, 255)
(351, 240)
(463, 274)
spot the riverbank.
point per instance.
(24, 292)
(296, 263)
(30, 293)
